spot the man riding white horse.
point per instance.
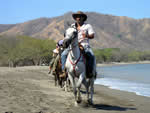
(85, 32)
(79, 32)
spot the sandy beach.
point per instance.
(31, 90)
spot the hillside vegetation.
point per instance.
(25, 50)
(120, 55)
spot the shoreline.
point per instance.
(109, 87)
(122, 63)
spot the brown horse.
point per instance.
(59, 77)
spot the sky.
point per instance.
(18, 11)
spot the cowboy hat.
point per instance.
(79, 13)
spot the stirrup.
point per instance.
(63, 74)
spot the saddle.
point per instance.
(89, 61)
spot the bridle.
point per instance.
(74, 63)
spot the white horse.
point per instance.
(76, 68)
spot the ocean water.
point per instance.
(132, 78)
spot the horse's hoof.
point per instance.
(90, 102)
(76, 104)
(78, 101)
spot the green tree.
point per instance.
(14, 50)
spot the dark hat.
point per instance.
(79, 13)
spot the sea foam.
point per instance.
(124, 85)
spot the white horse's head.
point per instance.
(70, 35)
(71, 32)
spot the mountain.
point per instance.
(110, 31)
(5, 27)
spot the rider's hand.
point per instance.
(84, 35)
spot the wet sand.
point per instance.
(31, 90)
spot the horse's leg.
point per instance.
(92, 83)
(61, 82)
(72, 80)
(85, 83)
(91, 90)
(67, 84)
(58, 80)
(80, 80)
(64, 83)
(55, 79)
(78, 95)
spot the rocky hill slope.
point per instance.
(111, 31)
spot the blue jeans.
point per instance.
(64, 55)
(88, 49)
(92, 60)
